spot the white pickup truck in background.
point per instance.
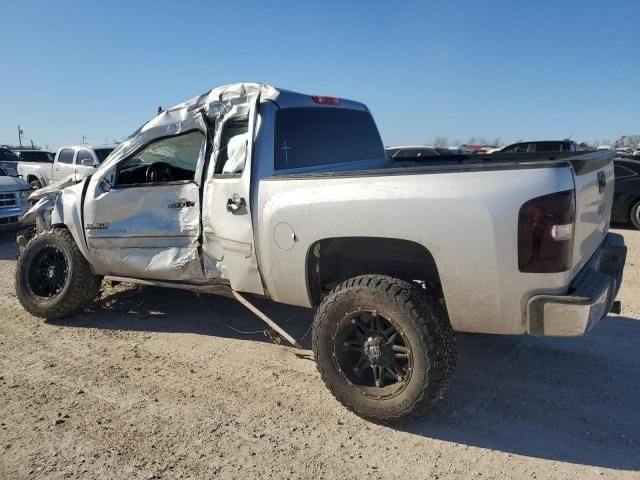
(78, 160)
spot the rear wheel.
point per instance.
(53, 279)
(634, 215)
(383, 347)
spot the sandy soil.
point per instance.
(160, 384)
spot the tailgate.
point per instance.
(594, 182)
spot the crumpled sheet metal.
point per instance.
(174, 263)
(137, 215)
(141, 241)
(43, 207)
(53, 188)
(186, 115)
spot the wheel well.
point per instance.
(333, 260)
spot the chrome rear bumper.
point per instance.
(590, 298)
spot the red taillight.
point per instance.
(545, 233)
(326, 100)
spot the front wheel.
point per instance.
(53, 279)
(634, 215)
(384, 348)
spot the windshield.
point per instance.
(102, 153)
(7, 155)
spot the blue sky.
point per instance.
(460, 69)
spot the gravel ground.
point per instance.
(153, 383)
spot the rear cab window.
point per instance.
(311, 137)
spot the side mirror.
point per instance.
(106, 183)
(88, 162)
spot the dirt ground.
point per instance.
(154, 383)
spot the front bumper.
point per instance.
(590, 298)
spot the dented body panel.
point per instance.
(258, 224)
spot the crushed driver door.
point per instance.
(142, 218)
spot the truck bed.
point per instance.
(582, 162)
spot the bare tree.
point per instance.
(441, 142)
(497, 141)
(632, 141)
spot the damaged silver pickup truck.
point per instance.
(252, 189)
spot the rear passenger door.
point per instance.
(228, 242)
(63, 166)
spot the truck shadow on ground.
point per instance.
(156, 309)
(572, 400)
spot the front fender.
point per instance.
(41, 209)
(59, 206)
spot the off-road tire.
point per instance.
(79, 289)
(426, 326)
(634, 215)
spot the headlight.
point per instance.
(24, 196)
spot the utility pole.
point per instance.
(32, 147)
(20, 133)
(83, 137)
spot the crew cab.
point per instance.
(251, 189)
(77, 161)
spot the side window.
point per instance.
(66, 156)
(548, 147)
(517, 148)
(429, 152)
(408, 153)
(84, 155)
(168, 160)
(621, 171)
(234, 143)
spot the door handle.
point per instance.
(235, 204)
(602, 182)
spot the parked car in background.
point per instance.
(9, 162)
(624, 151)
(626, 198)
(79, 161)
(251, 189)
(35, 156)
(604, 147)
(411, 151)
(541, 146)
(14, 195)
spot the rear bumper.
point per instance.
(590, 298)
